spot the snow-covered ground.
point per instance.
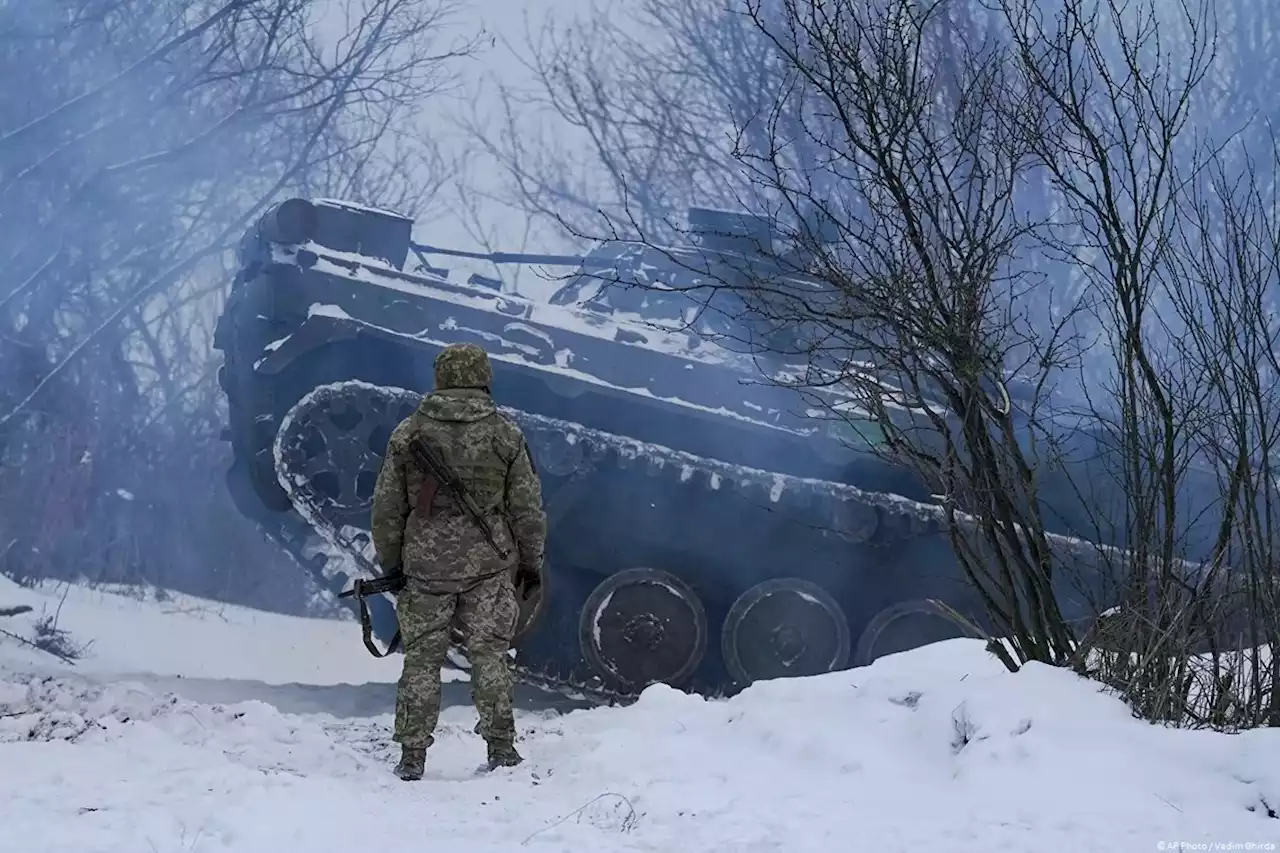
(937, 749)
(131, 634)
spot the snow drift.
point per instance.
(938, 748)
(132, 632)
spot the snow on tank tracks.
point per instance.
(826, 499)
(597, 447)
(359, 565)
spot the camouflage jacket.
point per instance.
(488, 453)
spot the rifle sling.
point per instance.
(366, 631)
(363, 588)
(459, 494)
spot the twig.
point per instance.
(630, 819)
(57, 614)
(27, 642)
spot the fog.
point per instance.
(139, 138)
(701, 103)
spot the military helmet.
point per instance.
(463, 366)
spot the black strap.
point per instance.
(366, 630)
(523, 594)
(393, 581)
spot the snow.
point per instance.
(332, 311)
(359, 208)
(935, 749)
(601, 608)
(621, 327)
(510, 357)
(775, 484)
(362, 268)
(187, 637)
(775, 491)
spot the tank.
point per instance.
(705, 530)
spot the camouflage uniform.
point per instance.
(452, 572)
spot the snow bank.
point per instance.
(192, 638)
(935, 749)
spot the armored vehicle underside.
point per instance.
(686, 545)
(662, 565)
(655, 556)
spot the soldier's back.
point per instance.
(478, 444)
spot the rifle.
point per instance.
(436, 469)
(392, 582)
(438, 474)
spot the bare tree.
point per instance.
(968, 198)
(1096, 107)
(1111, 131)
(1199, 645)
(917, 260)
(632, 114)
(142, 140)
(886, 159)
(251, 90)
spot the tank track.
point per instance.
(564, 447)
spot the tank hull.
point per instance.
(703, 530)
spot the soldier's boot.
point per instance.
(413, 761)
(503, 754)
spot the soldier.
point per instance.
(452, 571)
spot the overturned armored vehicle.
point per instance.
(702, 531)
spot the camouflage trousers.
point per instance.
(486, 615)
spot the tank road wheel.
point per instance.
(331, 446)
(915, 623)
(784, 627)
(643, 626)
